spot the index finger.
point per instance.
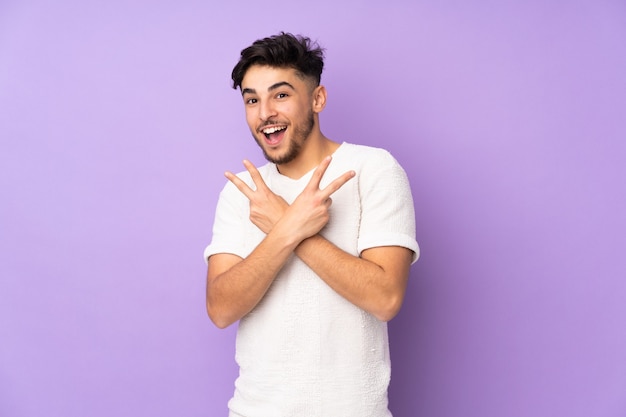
(316, 178)
(238, 182)
(254, 174)
(337, 183)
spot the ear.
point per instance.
(319, 98)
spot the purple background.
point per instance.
(117, 121)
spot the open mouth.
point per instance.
(274, 134)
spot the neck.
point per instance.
(313, 151)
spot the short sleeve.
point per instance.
(387, 211)
(228, 227)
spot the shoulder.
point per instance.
(364, 150)
(368, 158)
(376, 168)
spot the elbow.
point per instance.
(220, 324)
(219, 320)
(388, 309)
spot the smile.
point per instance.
(270, 130)
(274, 134)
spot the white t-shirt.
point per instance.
(304, 350)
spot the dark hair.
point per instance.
(282, 51)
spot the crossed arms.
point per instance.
(375, 282)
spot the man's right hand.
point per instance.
(266, 208)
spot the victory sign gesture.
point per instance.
(305, 217)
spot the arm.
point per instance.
(236, 285)
(375, 282)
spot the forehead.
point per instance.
(262, 77)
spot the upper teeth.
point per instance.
(271, 130)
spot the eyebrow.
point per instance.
(271, 88)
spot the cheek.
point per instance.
(304, 108)
(289, 111)
(251, 118)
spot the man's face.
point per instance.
(279, 111)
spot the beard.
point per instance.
(301, 133)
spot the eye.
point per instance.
(251, 101)
(282, 95)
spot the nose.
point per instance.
(266, 110)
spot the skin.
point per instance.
(376, 281)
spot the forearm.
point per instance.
(235, 286)
(376, 289)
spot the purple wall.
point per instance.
(117, 121)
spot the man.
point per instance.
(311, 280)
